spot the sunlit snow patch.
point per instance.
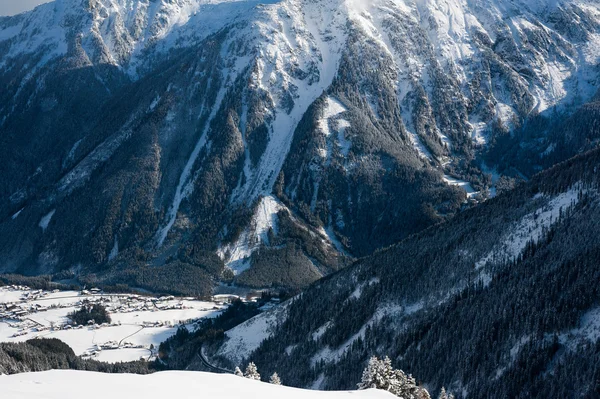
(237, 255)
(245, 338)
(45, 221)
(465, 185)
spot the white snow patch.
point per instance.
(245, 338)
(289, 349)
(114, 252)
(236, 256)
(588, 330)
(45, 221)
(358, 291)
(16, 214)
(479, 132)
(333, 107)
(318, 333)
(465, 185)
(319, 383)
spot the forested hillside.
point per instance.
(502, 301)
(51, 354)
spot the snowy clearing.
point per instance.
(465, 185)
(53, 385)
(246, 337)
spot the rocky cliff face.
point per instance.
(145, 140)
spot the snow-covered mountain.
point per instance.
(150, 137)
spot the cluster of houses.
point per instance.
(114, 303)
(111, 345)
(18, 311)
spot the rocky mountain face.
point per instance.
(499, 302)
(171, 144)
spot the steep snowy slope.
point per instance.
(141, 138)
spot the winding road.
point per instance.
(211, 367)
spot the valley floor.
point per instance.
(139, 323)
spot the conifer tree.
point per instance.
(380, 374)
(445, 395)
(252, 372)
(238, 372)
(275, 380)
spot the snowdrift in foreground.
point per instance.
(68, 384)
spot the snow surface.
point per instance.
(465, 185)
(333, 108)
(69, 384)
(316, 31)
(237, 254)
(245, 338)
(45, 221)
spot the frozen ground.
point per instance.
(68, 384)
(138, 322)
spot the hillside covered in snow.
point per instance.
(61, 384)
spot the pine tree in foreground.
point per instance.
(238, 372)
(275, 380)
(252, 372)
(380, 374)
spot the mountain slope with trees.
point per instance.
(142, 141)
(502, 301)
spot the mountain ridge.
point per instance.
(363, 122)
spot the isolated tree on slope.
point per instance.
(380, 374)
(445, 395)
(275, 380)
(238, 372)
(252, 372)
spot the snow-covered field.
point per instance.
(138, 322)
(68, 384)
